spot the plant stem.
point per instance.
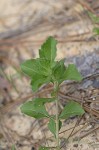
(57, 115)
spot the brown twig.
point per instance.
(93, 130)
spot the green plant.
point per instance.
(95, 20)
(13, 147)
(45, 70)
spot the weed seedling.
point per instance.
(44, 70)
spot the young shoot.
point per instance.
(44, 70)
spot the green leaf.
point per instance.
(34, 109)
(72, 73)
(60, 124)
(39, 70)
(13, 147)
(52, 126)
(44, 148)
(59, 70)
(38, 80)
(96, 31)
(71, 109)
(94, 18)
(48, 50)
(35, 67)
(42, 101)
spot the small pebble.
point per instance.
(75, 145)
(32, 148)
